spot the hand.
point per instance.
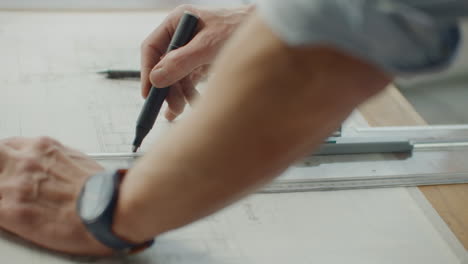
(185, 67)
(40, 181)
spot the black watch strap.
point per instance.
(101, 226)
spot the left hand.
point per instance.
(40, 181)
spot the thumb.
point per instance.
(178, 64)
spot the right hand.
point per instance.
(185, 67)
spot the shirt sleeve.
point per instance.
(404, 37)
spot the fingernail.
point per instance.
(144, 93)
(170, 116)
(158, 78)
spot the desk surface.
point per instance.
(390, 108)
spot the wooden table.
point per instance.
(390, 108)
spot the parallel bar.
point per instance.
(412, 133)
(335, 149)
(426, 141)
(339, 148)
(112, 156)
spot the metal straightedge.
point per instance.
(439, 155)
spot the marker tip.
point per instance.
(134, 149)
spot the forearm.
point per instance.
(266, 106)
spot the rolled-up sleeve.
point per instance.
(403, 37)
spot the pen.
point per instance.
(182, 35)
(121, 74)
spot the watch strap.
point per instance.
(101, 228)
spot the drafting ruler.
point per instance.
(369, 158)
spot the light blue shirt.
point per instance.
(404, 37)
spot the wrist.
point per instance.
(127, 224)
(96, 206)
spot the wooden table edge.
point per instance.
(391, 108)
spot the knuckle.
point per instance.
(145, 45)
(23, 215)
(210, 44)
(23, 191)
(4, 155)
(173, 61)
(11, 140)
(148, 47)
(44, 143)
(179, 60)
(185, 7)
(29, 164)
(185, 88)
(200, 53)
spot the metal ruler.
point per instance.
(442, 141)
(371, 182)
(330, 184)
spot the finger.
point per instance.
(71, 169)
(175, 101)
(200, 74)
(49, 150)
(55, 193)
(57, 159)
(41, 145)
(155, 45)
(189, 91)
(6, 154)
(15, 142)
(179, 63)
(152, 49)
(37, 187)
(45, 144)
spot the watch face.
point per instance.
(96, 196)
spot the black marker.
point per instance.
(182, 35)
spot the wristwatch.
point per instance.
(96, 206)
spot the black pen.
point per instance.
(182, 35)
(121, 74)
